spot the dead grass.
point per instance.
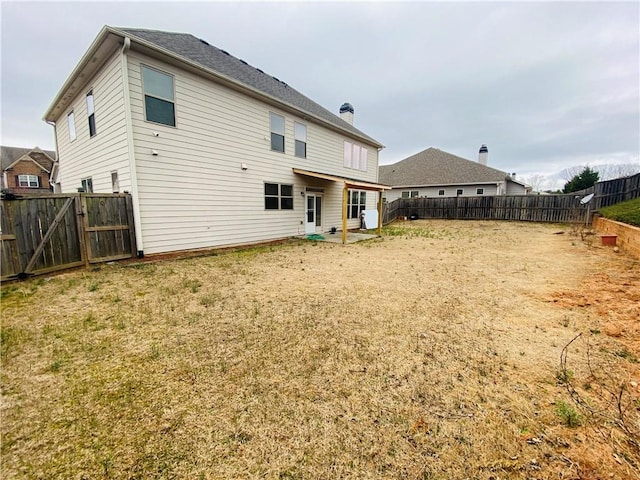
(433, 353)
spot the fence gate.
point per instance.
(45, 233)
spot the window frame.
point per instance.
(91, 114)
(158, 97)
(273, 115)
(284, 201)
(115, 182)
(87, 184)
(355, 209)
(300, 141)
(355, 156)
(28, 178)
(71, 126)
(479, 191)
(459, 191)
(441, 192)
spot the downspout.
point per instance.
(57, 159)
(130, 147)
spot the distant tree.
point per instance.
(609, 172)
(536, 181)
(585, 179)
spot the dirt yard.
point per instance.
(444, 350)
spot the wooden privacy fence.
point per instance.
(45, 233)
(524, 208)
(615, 191)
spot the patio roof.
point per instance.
(349, 182)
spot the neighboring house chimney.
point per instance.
(346, 113)
(483, 155)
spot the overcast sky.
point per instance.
(546, 86)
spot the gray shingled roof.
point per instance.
(8, 155)
(435, 167)
(220, 61)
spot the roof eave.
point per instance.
(232, 83)
(87, 59)
(107, 31)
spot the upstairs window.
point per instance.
(355, 156)
(91, 114)
(29, 181)
(277, 133)
(278, 197)
(71, 123)
(301, 140)
(159, 103)
(115, 183)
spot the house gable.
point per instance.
(202, 167)
(434, 172)
(34, 162)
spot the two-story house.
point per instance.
(26, 170)
(214, 151)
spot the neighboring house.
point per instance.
(27, 170)
(214, 152)
(434, 173)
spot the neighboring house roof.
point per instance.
(193, 50)
(436, 167)
(10, 155)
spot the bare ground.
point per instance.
(443, 350)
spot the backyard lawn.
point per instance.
(443, 350)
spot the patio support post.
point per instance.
(345, 197)
(380, 213)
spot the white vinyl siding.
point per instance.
(96, 157)
(221, 129)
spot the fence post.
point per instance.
(81, 221)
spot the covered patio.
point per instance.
(345, 236)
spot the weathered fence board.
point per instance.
(44, 233)
(564, 208)
(615, 191)
(524, 208)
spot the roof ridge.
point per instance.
(245, 74)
